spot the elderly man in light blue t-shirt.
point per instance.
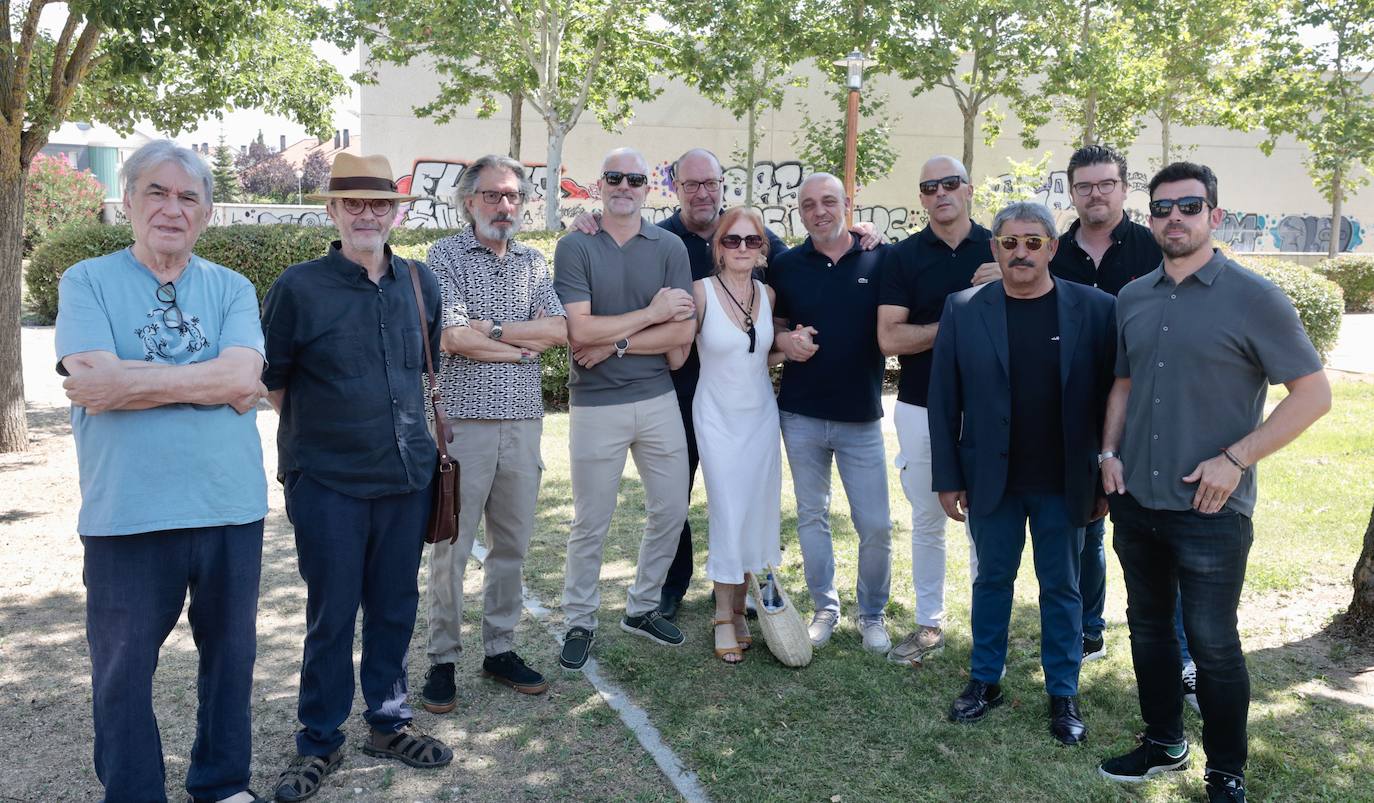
(163, 353)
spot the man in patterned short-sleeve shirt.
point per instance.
(500, 312)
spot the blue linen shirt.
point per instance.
(176, 466)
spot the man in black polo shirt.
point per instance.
(829, 403)
(1102, 249)
(951, 254)
(345, 353)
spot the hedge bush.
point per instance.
(58, 195)
(1317, 300)
(1355, 274)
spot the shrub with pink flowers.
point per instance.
(58, 195)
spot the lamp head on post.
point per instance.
(854, 65)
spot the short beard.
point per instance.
(1179, 249)
(488, 231)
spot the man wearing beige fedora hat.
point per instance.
(345, 353)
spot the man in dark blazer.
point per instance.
(1018, 390)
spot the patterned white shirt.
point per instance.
(478, 285)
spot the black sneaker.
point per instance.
(1094, 648)
(1223, 787)
(577, 647)
(1147, 760)
(508, 669)
(439, 696)
(654, 627)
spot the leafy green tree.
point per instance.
(314, 172)
(121, 61)
(1095, 81)
(226, 177)
(564, 56)
(820, 142)
(1312, 81)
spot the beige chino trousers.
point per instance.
(651, 431)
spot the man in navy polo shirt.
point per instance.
(950, 254)
(829, 403)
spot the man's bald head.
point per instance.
(941, 166)
(823, 206)
(950, 191)
(625, 160)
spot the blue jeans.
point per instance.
(135, 588)
(1056, 544)
(857, 448)
(355, 552)
(1204, 558)
(1092, 578)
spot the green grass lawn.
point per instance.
(853, 727)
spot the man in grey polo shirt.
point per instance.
(1199, 339)
(627, 294)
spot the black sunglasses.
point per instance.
(751, 241)
(614, 177)
(171, 316)
(1189, 205)
(1033, 242)
(950, 183)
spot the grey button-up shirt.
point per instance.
(1200, 355)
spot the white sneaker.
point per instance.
(822, 626)
(875, 634)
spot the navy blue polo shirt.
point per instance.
(921, 272)
(842, 381)
(1132, 254)
(699, 255)
(350, 356)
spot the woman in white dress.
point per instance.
(736, 419)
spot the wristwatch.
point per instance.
(495, 333)
(1105, 456)
(622, 346)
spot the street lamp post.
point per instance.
(854, 65)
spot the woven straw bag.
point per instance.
(782, 628)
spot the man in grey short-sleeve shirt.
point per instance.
(1199, 340)
(626, 291)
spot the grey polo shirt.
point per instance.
(1200, 355)
(617, 279)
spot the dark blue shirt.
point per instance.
(699, 255)
(350, 356)
(842, 381)
(1132, 254)
(921, 272)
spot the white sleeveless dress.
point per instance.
(736, 419)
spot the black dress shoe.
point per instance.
(1066, 724)
(977, 700)
(668, 606)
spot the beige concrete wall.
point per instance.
(1272, 203)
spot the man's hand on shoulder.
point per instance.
(987, 272)
(869, 236)
(587, 223)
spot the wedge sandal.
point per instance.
(411, 746)
(302, 777)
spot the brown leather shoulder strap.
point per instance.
(435, 400)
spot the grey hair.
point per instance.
(467, 183)
(1027, 211)
(958, 165)
(626, 152)
(160, 151)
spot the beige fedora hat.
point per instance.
(360, 177)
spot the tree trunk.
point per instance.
(1090, 119)
(517, 106)
(553, 194)
(749, 155)
(1359, 619)
(14, 432)
(970, 130)
(1164, 139)
(1337, 201)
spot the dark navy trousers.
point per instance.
(136, 586)
(355, 552)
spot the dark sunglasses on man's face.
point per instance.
(614, 177)
(751, 241)
(1033, 242)
(950, 183)
(1189, 205)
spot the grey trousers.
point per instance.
(500, 473)
(650, 430)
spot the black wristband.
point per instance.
(1235, 462)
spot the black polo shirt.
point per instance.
(1132, 254)
(699, 254)
(922, 271)
(842, 381)
(350, 356)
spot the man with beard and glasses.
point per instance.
(500, 314)
(1105, 249)
(627, 294)
(1200, 339)
(698, 180)
(1017, 392)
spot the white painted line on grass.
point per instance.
(635, 718)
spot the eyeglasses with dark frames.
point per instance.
(614, 177)
(1033, 242)
(732, 241)
(950, 183)
(691, 187)
(1106, 186)
(171, 315)
(1189, 205)
(493, 197)
(381, 207)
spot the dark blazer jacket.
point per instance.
(970, 393)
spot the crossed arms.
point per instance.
(100, 381)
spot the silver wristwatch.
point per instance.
(622, 346)
(1104, 456)
(496, 331)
